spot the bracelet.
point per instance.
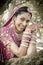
(33, 42)
(24, 45)
(27, 33)
(34, 36)
(25, 41)
(26, 36)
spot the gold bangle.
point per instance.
(24, 45)
(27, 33)
(26, 41)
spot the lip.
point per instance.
(22, 27)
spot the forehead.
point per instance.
(24, 15)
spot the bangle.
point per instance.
(34, 36)
(24, 45)
(26, 41)
(27, 33)
(33, 42)
(26, 36)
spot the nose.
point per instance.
(24, 23)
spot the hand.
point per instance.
(33, 38)
(26, 36)
(33, 27)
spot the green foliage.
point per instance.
(34, 60)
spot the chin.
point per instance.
(21, 30)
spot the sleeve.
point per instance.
(5, 37)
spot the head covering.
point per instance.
(12, 13)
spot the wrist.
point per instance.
(24, 45)
(32, 41)
(26, 37)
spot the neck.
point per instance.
(15, 30)
(19, 35)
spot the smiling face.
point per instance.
(21, 21)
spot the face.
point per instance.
(21, 21)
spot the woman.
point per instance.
(18, 40)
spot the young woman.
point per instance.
(18, 40)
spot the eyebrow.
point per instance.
(24, 18)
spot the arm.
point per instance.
(12, 46)
(32, 47)
(18, 51)
(22, 50)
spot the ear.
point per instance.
(14, 18)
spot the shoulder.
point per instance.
(4, 35)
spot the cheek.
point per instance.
(17, 23)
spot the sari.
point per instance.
(6, 35)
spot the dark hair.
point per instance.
(22, 9)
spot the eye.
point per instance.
(22, 19)
(27, 21)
